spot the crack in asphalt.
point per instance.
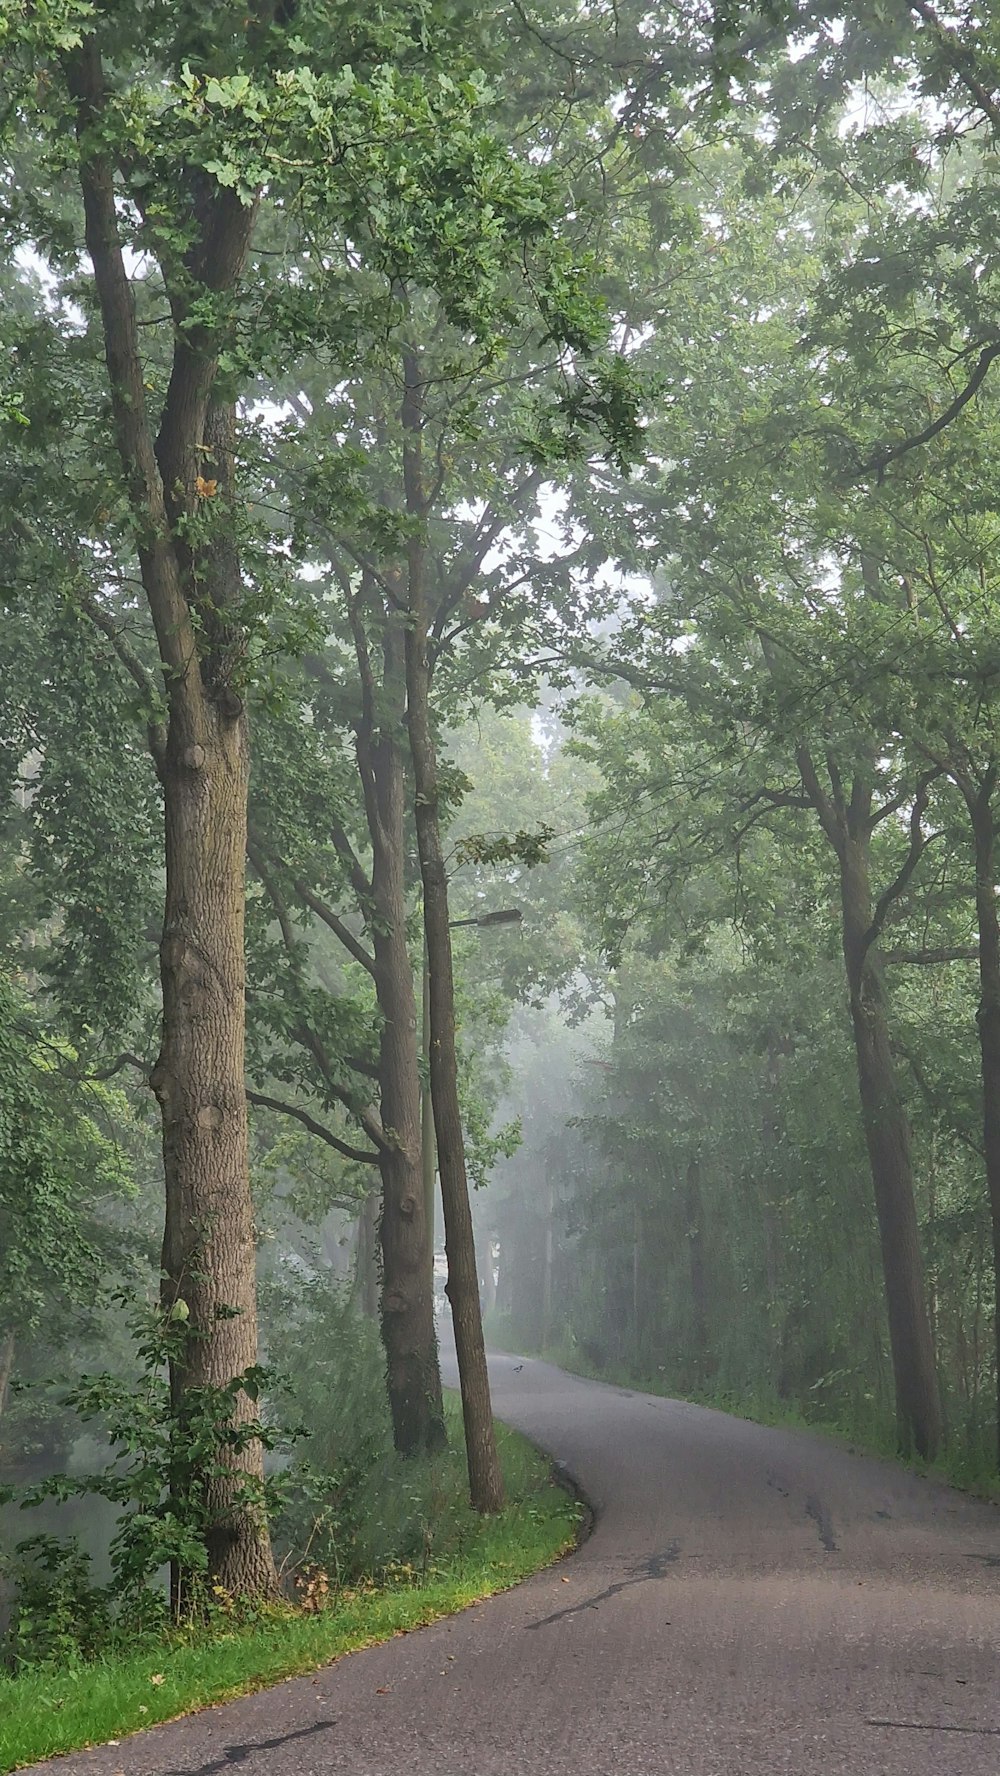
(932, 1727)
(823, 1521)
(654, 1567)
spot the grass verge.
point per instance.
(44, 1713)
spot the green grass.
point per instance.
(43, 1713)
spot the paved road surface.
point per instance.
(752, 1602)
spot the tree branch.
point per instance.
(160, 567)
(927, 958)
(336, 925)
(291, 942)
(833, 828)
(917, 846)
(365, 1116)
(880, 462)
(960, 60)
(359, 1154)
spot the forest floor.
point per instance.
(46, 1712)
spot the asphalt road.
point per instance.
(751, 1602)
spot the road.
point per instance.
(751, 1602)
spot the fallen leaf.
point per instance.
(157, 1678)
(386, 1692)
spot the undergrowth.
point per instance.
(45, 1711)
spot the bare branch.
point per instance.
(274, 894)
(929, 958)
(308, 1039)
(359, 1154)
(330, 919)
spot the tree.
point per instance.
(179, 142)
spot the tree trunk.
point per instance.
(887, 1136)
(695, 1218)
(988, 1019)
(209, 1244)
(7, 1347)
(408, 1332)
(366, 1257)
(194, 593)
(485, 1480)
(489, 1278)
(407, 1306)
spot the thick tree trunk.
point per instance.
(485, 1480)
(209, 1246)
(988, 1018)
(193, 590)
(887, 1136)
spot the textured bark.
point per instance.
(209, 1245)
(887, 1136)
(988, 1018)
(485, 1478)
(7, 1346)
(407, 1305)
(408, 1331)
(201, 755)
(489, 1277)
(366, 1297)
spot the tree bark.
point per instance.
(7, 1346)
(694, 1215)
(988, 1019)
(887, 1136)
(209, 1242)
(201, 754)
(408, 1331)
(366, 1296)
(485, 1478)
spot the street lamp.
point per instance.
(428, 1145)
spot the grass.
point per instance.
(44, 1713)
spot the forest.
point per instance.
(500, 756)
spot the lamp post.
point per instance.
(428, 1145)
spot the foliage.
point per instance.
(159, 1474)
(43, 1713)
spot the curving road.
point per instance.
(751, 1602)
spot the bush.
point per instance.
(156, 1479)
(59, 1618)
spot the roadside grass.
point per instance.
(44, 1713)
(971, 1471)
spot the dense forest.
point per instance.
(500, 752)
